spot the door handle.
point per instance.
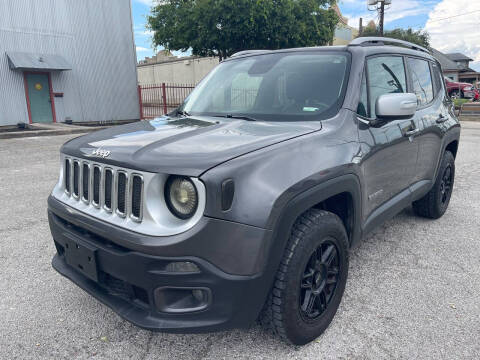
(412, 132)
(441, 119)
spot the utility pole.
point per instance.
(380, 6)
(382, 16)
(360, 27)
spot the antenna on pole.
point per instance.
(380, 6)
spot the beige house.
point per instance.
(343, 33)
(456, 67)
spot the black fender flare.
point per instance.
(305, 200)
(452, 135)
(300, 203)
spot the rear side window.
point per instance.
(421, 80)
(438, 79)
(386, 75)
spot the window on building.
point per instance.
(386, 75)
(421, 80)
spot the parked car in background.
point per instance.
(460, 90)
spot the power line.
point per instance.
(441, 19)
(435, 20)
(454, 16)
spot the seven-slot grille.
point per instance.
(116, 191)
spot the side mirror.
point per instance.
(396, 106)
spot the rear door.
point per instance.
(425, 80)
(389, 150)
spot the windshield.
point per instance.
(293, 86)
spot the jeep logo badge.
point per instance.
(101, 153)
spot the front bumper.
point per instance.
(126, 278)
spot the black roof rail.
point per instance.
(250, 52)
(370, 41)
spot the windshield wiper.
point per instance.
(240, 117)
(183, 113)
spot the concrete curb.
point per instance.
(469, 118)
(50, 130)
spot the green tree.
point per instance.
(223, 27)
(419, 37)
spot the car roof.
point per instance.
(247, 53)
(388, 49)
(368, 50)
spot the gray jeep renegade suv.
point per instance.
(243, 203)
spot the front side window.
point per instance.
(421, 80)
(291, 86)
(386, 75)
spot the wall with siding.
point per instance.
(94, 36)
(183, 71)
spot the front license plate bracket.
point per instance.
(82, 258)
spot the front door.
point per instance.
(39, 96)
(390, 152)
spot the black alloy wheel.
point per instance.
(319, 281)
(446, 185)
(310, 280)
(434, 204)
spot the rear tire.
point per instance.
(455, 94)
(435, 203)
(311, 279)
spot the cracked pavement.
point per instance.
(413, 288)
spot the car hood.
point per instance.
(460, 84)
(183, 146)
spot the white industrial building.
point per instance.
(67, 59)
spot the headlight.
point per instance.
(181, 196)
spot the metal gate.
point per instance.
(159, 99)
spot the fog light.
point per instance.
(200, 295)
(182, 267)
(181, 300)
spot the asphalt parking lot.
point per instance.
(413, 289)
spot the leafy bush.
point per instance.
(459, 102)
(223, 27)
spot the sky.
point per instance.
(453, 25)
(143, 38)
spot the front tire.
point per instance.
(311, 278)
(435, 203)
